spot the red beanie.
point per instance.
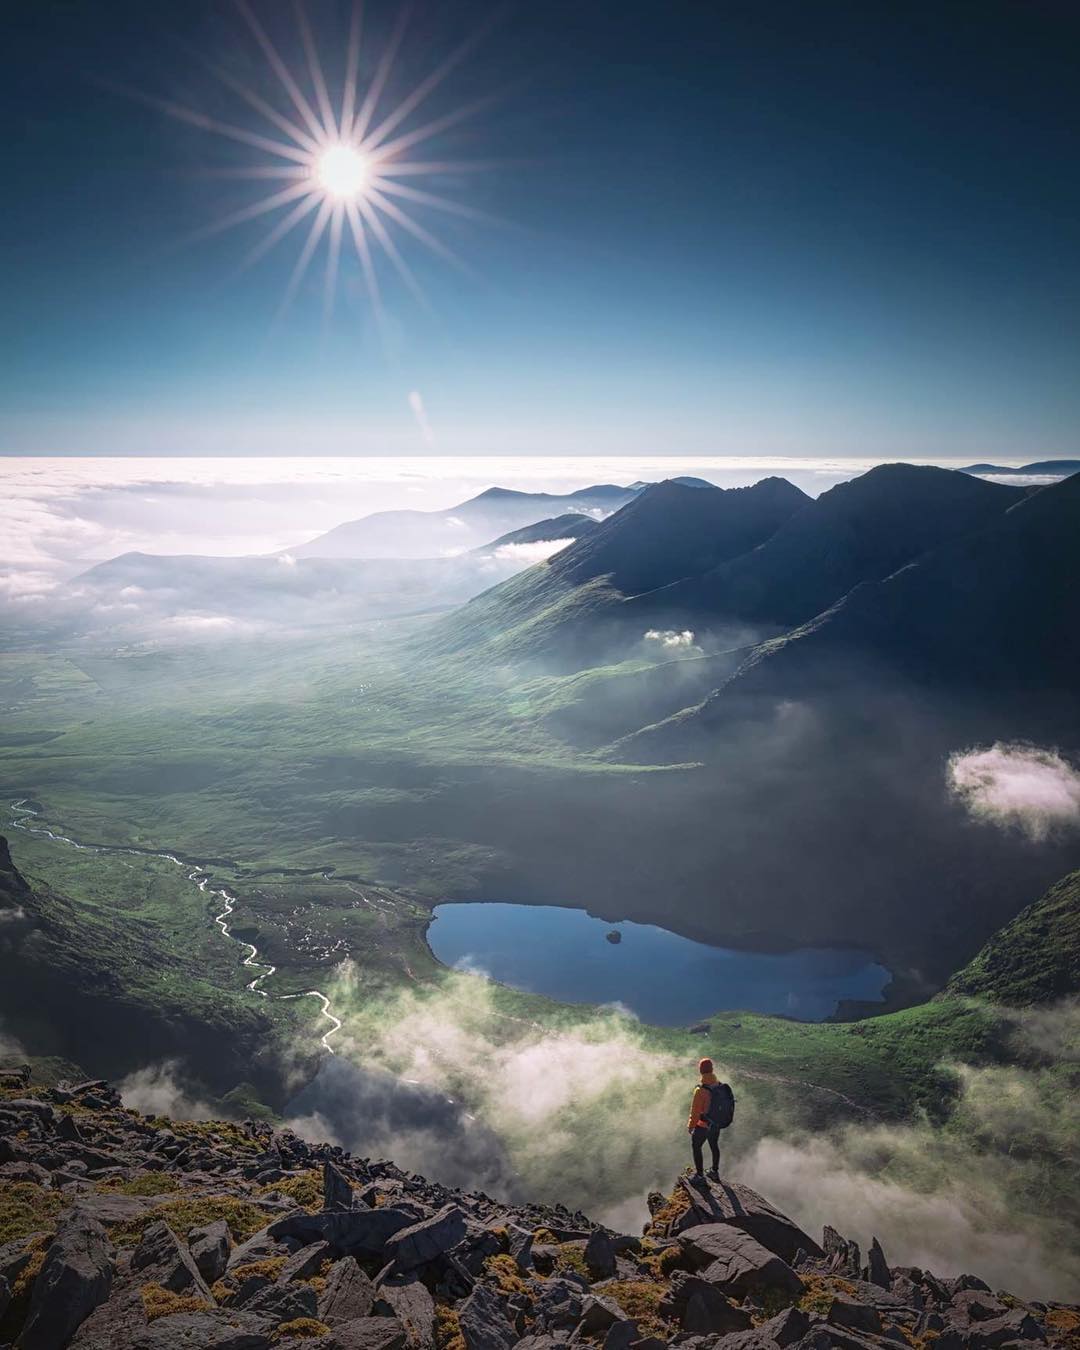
(705, 1066)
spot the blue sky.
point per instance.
(765, 229)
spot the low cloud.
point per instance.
(537, 551)
(1017, 787)
(159, 1090)
(669, 637)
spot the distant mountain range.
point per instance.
(1061, 468)
(470, 524)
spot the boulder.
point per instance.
(360, 1232)
(305, 1262)
(600, 1255)
(76, 1277)
(425, 1241)
(846, 1312)
(786, 1328)
(1015, 1325)
(259, 1247)
(366, 1333)
(484, 1323)
(520, 1244)
(621, 1335)
(349, 1293)
(407, 1299)
(598, 1314)
(198, 1331)
(338, 1194)
(737, 1263)
(283, 1303)
(975, 1305)
(209, 1247)
(701, 1308)
(877, 1268)
(729, 1202)
(841, 1254)
(163, 1258)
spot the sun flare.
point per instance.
(342, 172)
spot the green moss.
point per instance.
(306, 1189)
(161, 1302)
(243, 1218)
(640, 1301)
(25, 1208)
(448, 1334)
(146, 1183)
(301, 1328)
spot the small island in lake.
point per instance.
(614, 936)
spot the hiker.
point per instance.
(711, 1111)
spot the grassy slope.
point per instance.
(1033, 959)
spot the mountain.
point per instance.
(986, 619)
(569, 527)
(1057, 467)
(125, 1231)
(666, 532)
(861, 530)
(429, 534)
(1033, 959)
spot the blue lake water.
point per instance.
(662, 977)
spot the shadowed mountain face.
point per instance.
(861, 530)
(559, 610)
(429, 534)
(571, 526)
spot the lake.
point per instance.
(661, 977)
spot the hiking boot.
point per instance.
(698, 1179)
(713, 1174)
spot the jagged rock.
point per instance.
(259, 1247)
(877, 1268)
(338, 1193)
(732, 1203)
(305, 1262)
(198, 1331)
(846, 1312)
(349, 1293)
(68, 1128)
(701, 1308)
(360, 1232)
(164, 1258)
(600, 1255)
(110, 1209)
(76, 1277)
(974, 1305)
(519, 1242)
(484, 1324)
(209, 1248)
(597, 1314)
(841, 1254)
(779, 1332)
(15, 1255)
(283, 1302)
(424, 1241)
(366, 1333)
(621, 1335)
(1016, 1325)
(737, 1263)
(961, 1282)
(407, 1299)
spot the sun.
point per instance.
(342, 172)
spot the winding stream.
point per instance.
(23, 814)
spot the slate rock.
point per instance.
(701, 1308)
(201, 1331)
(283, 1302)
(600, 1255)
(1015, 1325)
(737, 1263)
(975, 1305)
(76, 1277)
(338, 1194)
(366, 1333)
(349, 1293)
(425, 1241)
(407, 1299)
(305, 1262)
(259, 1247)
(520, 1244)
(877, 1268)
(484, 1323)
(598, 1314)
(732, 1203)
(841, 1254)
(209, 1247)
(361, 1232)
(167, 1261)
(846, 1312)
(621, 1335)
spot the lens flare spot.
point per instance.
(342, 172)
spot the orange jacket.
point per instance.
(699, 1106)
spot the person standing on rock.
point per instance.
(711, 1110)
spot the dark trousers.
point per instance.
(697, 1143)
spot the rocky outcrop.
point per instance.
(137, 1233)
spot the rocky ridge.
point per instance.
(122, 1231)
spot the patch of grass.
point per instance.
(24, 1281)
(301, 1328)
(271, 1267)
(306, 1189)
(25, 1208)
(571, 1257)
(640, 1301)
(161, 1302)
(448, 1335)
(676, 1205)
(243, 1218)
(146, 1183)
(504, 1271)
(820, 1291)
(1063, 1328)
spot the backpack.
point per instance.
(721, 1105)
